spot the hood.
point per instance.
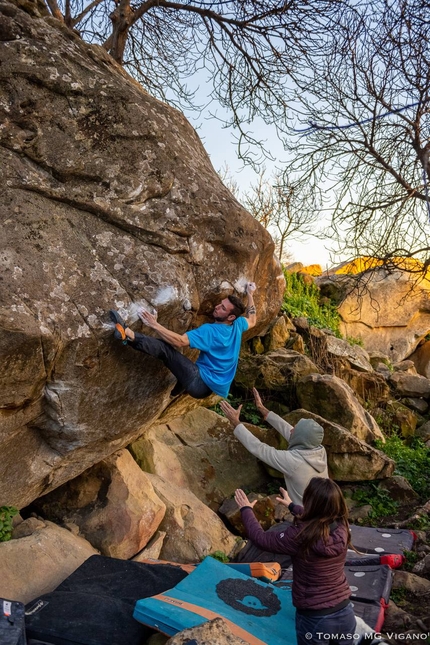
(317, 458)
(307, 434)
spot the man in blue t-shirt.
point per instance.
(219, 344)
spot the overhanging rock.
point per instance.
(108, 199)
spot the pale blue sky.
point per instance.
(220, 145)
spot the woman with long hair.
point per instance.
(317, 543)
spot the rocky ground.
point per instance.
(169, 494)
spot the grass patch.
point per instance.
(220, 556)
(412, 558)
(412, 462)
(379, 499)
(301, 299)
(6, 515)
(399, 596)
(249, 412)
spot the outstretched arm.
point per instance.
(275, 420)
(171, 337)
(251, 313)
(278, 459)
(277, 542)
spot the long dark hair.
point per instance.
(323, 504)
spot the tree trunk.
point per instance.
(121, 18)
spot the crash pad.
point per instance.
(257, 612)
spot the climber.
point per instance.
(305, 457)
(219, 344)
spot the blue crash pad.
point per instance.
(262, 614)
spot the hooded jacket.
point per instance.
(304, 459)
(319, 580)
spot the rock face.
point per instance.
(108, 200)
(193, 531)
(421, 359)
(413, 385)
(356, 356)
(392, 313)
(333, 399)
(113, 504)
(275, 370)
(349, 458)
(200, 452)
(33, 565)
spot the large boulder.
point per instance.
(334, 400)
(108, 200)
(367, 386)
(40, 560)
(414, 385)
(193, 531)
(388, 311)
(276, 370)
(421, 359)
(349, 458)
(199, 451)
(113, 504)
(356, 356)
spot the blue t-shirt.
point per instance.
(219, 346)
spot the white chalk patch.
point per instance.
(165, 295)
(359, 574)
(353, 588)
(134, 308)
(379, 549)
(386, 535)
(240, 284)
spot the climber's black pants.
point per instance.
(186, 372)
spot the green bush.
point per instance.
(249, 412)
(412, 462)
(379, 499)
(6, 515)
(302, 299)
(220, 556)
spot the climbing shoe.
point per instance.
(120, 326)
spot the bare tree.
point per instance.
(247, 49)
(365, 151)
(229, 180)
(278, 205)
(275, 203)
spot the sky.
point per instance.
(220, 144)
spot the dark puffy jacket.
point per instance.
(319, 581)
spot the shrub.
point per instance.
(301, 299)
(6, 515)
(412, 462)
(249, 412)
(379, 499)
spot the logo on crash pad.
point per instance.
(248, 597)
